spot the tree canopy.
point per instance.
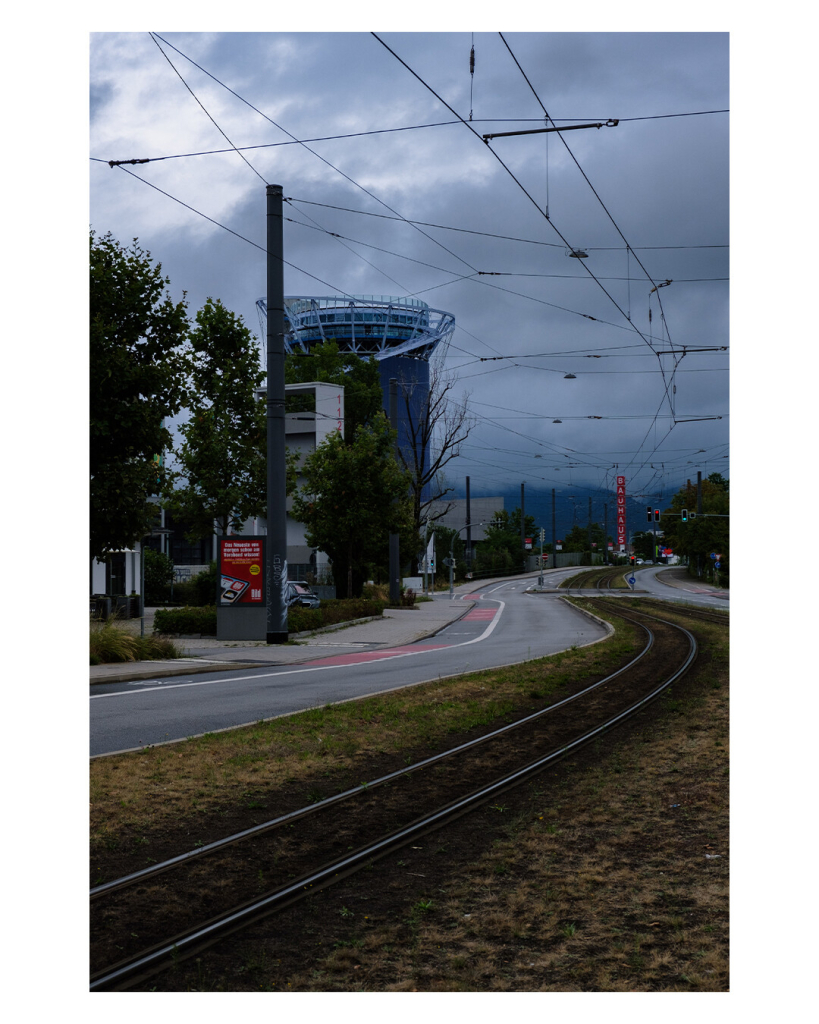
(354, 497)
(360, 378)
(222, 460)
(704, 534)
(137, 380)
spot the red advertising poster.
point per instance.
(241, 571)
(622, 536)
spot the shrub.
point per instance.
(333, 612)
(199, 591)
(299, 620)
(110, 642)
(186, 620)
(204, 587)
(158, 576)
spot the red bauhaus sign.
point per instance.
(621, 513)
(241, 571)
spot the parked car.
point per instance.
(299, 593)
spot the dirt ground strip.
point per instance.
(607, 873)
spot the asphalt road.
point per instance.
(505, 626)
(649, 579)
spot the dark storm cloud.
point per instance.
(663, 183)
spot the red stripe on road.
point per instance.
(480, 613)
(362, 657)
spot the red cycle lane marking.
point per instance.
(362, 657)
(480, 613)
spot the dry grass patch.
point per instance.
(611, 876)
(314, 754)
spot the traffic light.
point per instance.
(631, 560)
(685, 515)
(648, 512)
(656, 515)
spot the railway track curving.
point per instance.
(150, 919)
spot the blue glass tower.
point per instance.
(401, 334)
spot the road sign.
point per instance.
(632, 580)
(716, 565)
(713, 555)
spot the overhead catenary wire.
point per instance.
(373, 131)
(668, 383)
(204, 109)
(355, 242)
(520, 185)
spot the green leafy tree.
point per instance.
(360, 378)
(158, 569)
(642, 544)
(704, 534)
(221, 476)
(502, 548)
(137, 380)
(354, 496)
(577, 539)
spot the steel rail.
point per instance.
(186, 943)
(183, 858)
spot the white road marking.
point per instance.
(300, 671)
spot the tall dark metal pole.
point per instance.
(554, 532)
(591, 550)
(522, 529)
(395, 585)
(468, 528)
(699, 513)
(276, 567)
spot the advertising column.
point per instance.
(622, 536)
(241, 609)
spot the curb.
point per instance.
(177, 670)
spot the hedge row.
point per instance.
(333, 612)
(299, 620)
(186, 620)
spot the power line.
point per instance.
(207, 114)
(379, 131)
(489, 234)
(606, 211)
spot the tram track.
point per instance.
(219, 892)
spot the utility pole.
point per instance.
(395, 588)
(276, 545)
(591, 550)
(605, 533)
(522, 528)
(699, 513)
(554, 532)
(468, 528)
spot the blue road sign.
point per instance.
(716, 565)
(632, 580)
(713, 555)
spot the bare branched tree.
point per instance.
(436, 427)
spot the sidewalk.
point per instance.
(397, 627)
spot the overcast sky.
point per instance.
(644, 402)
